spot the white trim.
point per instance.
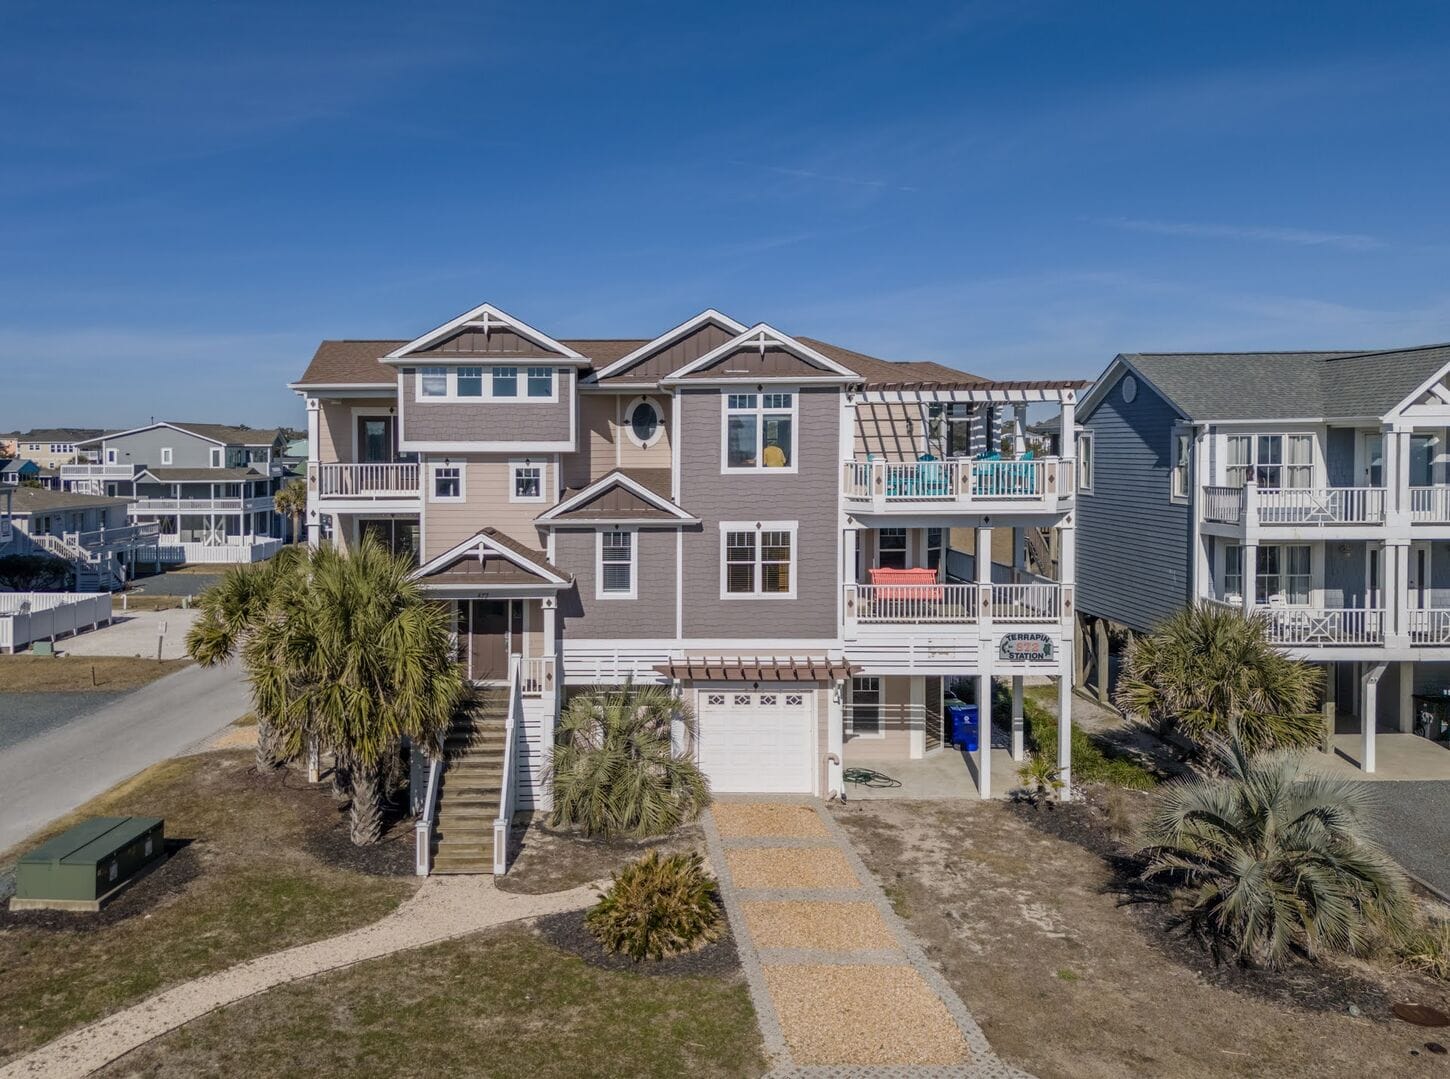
(760, 412)
(485, 447)
(1088, 458)
(111, 456)
(167, 456)
(174, 427)
(627, 421)
(604, 483)
(1184, 432)
(431, 490)
(528, 462)
(451, 396)
(1427, 386)
(666, 339)
(488, 312)
(599, 592)
(480, 541)
(880, 732)
(761, 335)
(218, 456)
(792, 527)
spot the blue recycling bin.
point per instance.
(964, 725)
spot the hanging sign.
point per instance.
(1025, 647)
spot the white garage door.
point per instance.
(757, 740)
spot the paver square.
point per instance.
(824, 926)
(790, 867)
(881, 1015)
(741, 819)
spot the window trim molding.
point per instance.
(167, 456)
(1184, 432)
(451, 395)
(627, 421)
(880, 731)
(434, 496)
(526, 462)
(758, 469)
(1091, 457)
(218, 457)
(599, 592)
(793, 527)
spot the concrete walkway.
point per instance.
(445, 907)
(840, 986)
(47, 776)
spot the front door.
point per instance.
(495, 632)
(1372, 459)
(1420, 576)
(375, 440)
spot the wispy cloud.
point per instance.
(1346, 241)
(826, 177)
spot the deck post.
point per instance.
(1100, 656)
(1064, 733)
(984, 734)
(1407, 696)
(1331, 705)
(1018, 722)
(835, 739)
(1372, 676)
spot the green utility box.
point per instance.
(84, 866)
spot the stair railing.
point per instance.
(513, 722)
(423, 830)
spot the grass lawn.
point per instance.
(504, 1003)
(1066, 980)
(63, 674)
(255, 877)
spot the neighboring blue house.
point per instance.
(19, 470)
(1309, 488)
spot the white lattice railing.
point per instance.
(399, 480)
(1323, 626)
(1321, 505)
(1429, 626)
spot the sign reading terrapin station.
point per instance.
(1025, 647)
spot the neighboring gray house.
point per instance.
(1310, 488)
(209, 487)
(92, 532)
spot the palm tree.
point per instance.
(1265, 859)
(291, 502)
(1212, 674)
(614, 770)
(350, 652)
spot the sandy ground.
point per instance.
(1065, 982)
(135, 633)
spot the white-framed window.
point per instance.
(1275, 461)
(218, 456)
(758, 559)
(166, 456)
(643, 423)
(1283, 574)
(935, 547)
(540, 382)
(470, 382)
(1233, 572)
(865, 717)
(891, 548)
(1178, 474)
(1085, 461)
(505, 382)
(526, 481)
(111, 457)
(758, 432)
(433, 381)
(617, 562)
(446, 482)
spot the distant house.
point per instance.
(91, 532)
(208, 486)
(50, 447)
(19, 470)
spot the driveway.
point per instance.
(1412, 821)
(47, 775)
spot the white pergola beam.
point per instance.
(990, 396)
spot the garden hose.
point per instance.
(867, 778)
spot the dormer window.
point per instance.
(433, 382)
(759, 432)
(541, 382)
(505, 381)
(470, 382)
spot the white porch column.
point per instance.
(1067, 436)
(1064, 726)
(1019, 723)
(836, 739)
(984, 733)
(1407, 696)
(1250, 575)
(1019, 434)
(1372, 676)
(1197, 478)
(1397, 591)
(312, 518)
(916, 721)
(984, 556)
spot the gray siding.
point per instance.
(650, 615)
(1133, 542)
(809, 496)
(1339, 456)
(144, 448)
(1344, 574)
(519, 420)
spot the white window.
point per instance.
(757, 559)
(218, 455)
(541, 382)
(1283, 574)
(865, 717)
(1233, 572)
(165, 456)
(1264, 458)
(447, 483)
(759, 432)
(1085, 462)
(505, 382)
(526, 481)
(433, 382)
(642, 422)
(618, 564)
(1179, 471)
(470, 382)
(111, 457)
(891, 548)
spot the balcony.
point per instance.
(1430, 505)
(1295, 506)
(367, 481)
(98, 472)
(1319, 627)
(147, 507)
(1429, 627)
(959, 485)
(955, 604)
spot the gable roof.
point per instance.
(470, 334)
(19, 464)
(1207, 386)
(618, 497)
(28, 500)
(70, 435)
(220, 433)
(778, 354)
(527, 566)
(636, 362)
(201, 475)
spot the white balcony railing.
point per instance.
(1307, 506)
(938, 604)
(1028, 602)
(398, 480)
(537, 676)
(98, 472)
(1323, 626)
(1430, 505)
(1223, 504)
(957, 481)
(145, 507)
(1428, 626)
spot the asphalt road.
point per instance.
(28, 715)
(50, 773)
(1412, 821)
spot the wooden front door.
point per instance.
(375, 440)
(495, 632)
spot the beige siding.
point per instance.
(891, 432)
(486, 505)
(336, 426)
(604, 445)
(896, 742)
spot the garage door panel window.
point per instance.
(758, 560)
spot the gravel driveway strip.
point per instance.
(839, 985)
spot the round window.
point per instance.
(644, 422)
(1130, 388)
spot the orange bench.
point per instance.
(912, 581)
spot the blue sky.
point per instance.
(192, 195)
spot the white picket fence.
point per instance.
(40, 616)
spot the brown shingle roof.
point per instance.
(233, 436)
(204, 475)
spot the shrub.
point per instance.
(36, 573)
(1040, 777)
(1426, 948)
(1265, 859)
(615, 771)
(657, 907)
(1090, 764)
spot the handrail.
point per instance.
(423, 829)
(368, 480)
(503, 823)
(957, 480)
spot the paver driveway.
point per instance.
(839, 985)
